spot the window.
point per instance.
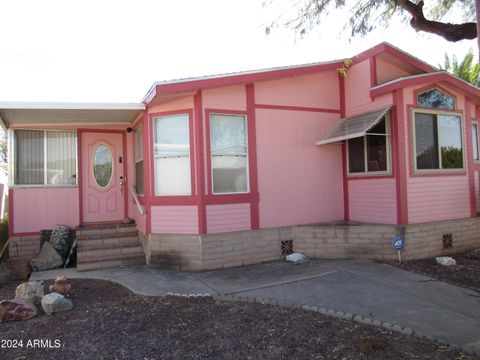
(138, 158)
(475, 149)
(438, 141)
(172, 155)
(229, 153)
(370, 153)
(45, 157)
(436, 99)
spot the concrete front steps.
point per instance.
(102, 246)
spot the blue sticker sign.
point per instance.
(398, 242)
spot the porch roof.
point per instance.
(36, 113)
(353, 126)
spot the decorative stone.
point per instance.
(445, 261)
(473, 255)
(31, 292)
(48, 258)
(55, 302)
(13, 310)
(61, 240)
(61, 286)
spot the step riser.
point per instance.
(106, 247)
(107, 235)
(84, 245)
(94, 265)
(106, 230)
(111, 254)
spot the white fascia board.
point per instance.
(70, 106)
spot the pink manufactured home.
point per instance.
(234, 169)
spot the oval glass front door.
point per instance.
(102, 165)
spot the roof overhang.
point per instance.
(189, 85)
(33, 113)
(353, 126)
(439, 76)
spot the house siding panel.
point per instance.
(174, 219)
(299, 182)
(438, 198)
(317, 91)
(35, 209)
(477, 190)
(373, 200)
(227, 218)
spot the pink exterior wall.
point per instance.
(35, 209)
(174, 219)
(439, 196)
(230, 97)
(357, 91)
(299, 182)
(477, 190)
(387, 71)
(317, 91)
(184, 102)
(373, 200)
(229, 217)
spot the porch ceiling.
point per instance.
(20, 113)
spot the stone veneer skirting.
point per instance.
(321, 241)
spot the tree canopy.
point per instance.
(367, 15)
(467, 69)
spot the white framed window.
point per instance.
(172, 155)
(229, 154)
(370, 154)
(475, 149)
(45, 157)
(437, 141)
(138, 158)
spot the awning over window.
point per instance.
(353, 126)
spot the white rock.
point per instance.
(55, 302)
(445, 261)
(31, 292)
(295, 258)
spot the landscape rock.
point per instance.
(473, 255)
(48, 258)
(61, 240)
(61, 286)
(445, 261)
(296, 258)
(31, 292)
(13, 310)
(55, 302)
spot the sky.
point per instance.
(113, 51)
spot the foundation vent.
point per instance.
(447, 240)
(287, 247)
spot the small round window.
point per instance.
(102, 165)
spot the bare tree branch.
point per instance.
(450, 32)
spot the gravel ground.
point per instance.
(465, 273)
(109, 322)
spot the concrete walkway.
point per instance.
(373, 290)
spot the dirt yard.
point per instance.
(465, 273)
(109, 322)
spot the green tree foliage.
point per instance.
(451, 157)
(367, 15)
(467, 69)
